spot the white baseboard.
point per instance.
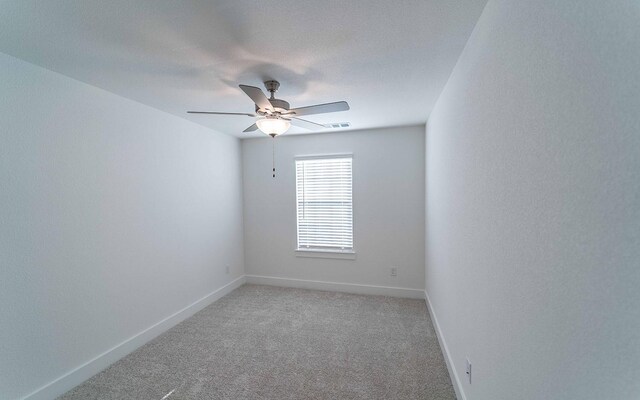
(457, 384)
(336, 286)
(92, 367)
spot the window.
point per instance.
(325, 204)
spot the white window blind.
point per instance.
(325, 204)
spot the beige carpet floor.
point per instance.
(262, 342)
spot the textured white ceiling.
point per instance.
(388, 59)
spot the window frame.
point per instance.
(326, 253)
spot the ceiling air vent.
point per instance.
(338, 125)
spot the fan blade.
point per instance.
(251, 128)
(319, 109)
(303, 123)
(257, 96)
(219, 113)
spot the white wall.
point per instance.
(114, 216)
(533, 206)
(388, 191)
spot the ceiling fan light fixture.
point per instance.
(273, 126)
(276, 116)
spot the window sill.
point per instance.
(339, 255)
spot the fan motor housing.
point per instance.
(278, 105)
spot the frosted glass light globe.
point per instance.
(273, 126)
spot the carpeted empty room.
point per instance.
(264, 342)
(319, 199)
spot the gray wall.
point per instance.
(388, 196)
(114, 216)
(533, 202)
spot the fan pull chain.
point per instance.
(273, 155)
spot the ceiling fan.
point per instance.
(275, 116)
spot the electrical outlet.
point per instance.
(468, 370)
(394, 271)
(226, 269)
